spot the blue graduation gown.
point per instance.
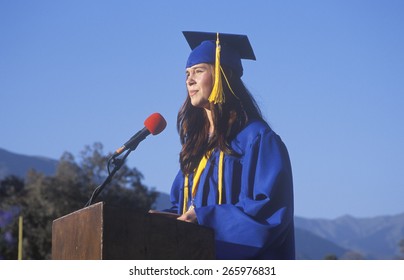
(255, 220)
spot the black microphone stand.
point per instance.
(118, 162)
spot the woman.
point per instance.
(235, 172)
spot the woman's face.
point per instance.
(199, 81)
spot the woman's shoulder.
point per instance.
(255, 128)
(253, 131)
(257, 125)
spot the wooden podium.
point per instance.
(102, 232)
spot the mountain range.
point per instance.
(345, 237)
(19, 165)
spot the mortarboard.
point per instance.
(219, 49)
(234, 47)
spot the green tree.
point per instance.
(45, 198)
(10, 189)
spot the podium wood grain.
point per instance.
(102, 232)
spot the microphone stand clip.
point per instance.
(117, 162)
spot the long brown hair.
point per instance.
(229, 119)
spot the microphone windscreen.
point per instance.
(155, 123)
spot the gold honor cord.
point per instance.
(220, 178)
(199, 170)
(20, 220)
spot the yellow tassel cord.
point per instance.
(228, 84)
(20, 219)
(217, 95)
(199, 170)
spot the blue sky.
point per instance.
(328, 78)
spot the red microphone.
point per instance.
(154, 124)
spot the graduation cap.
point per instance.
(234, 47)
(219, 49)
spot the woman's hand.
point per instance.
(189, 216)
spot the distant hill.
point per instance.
(312, 247)
(19, 165)
(345, 237)
(373, 238)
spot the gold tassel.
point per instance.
(217, 95)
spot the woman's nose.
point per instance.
(190, 80)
